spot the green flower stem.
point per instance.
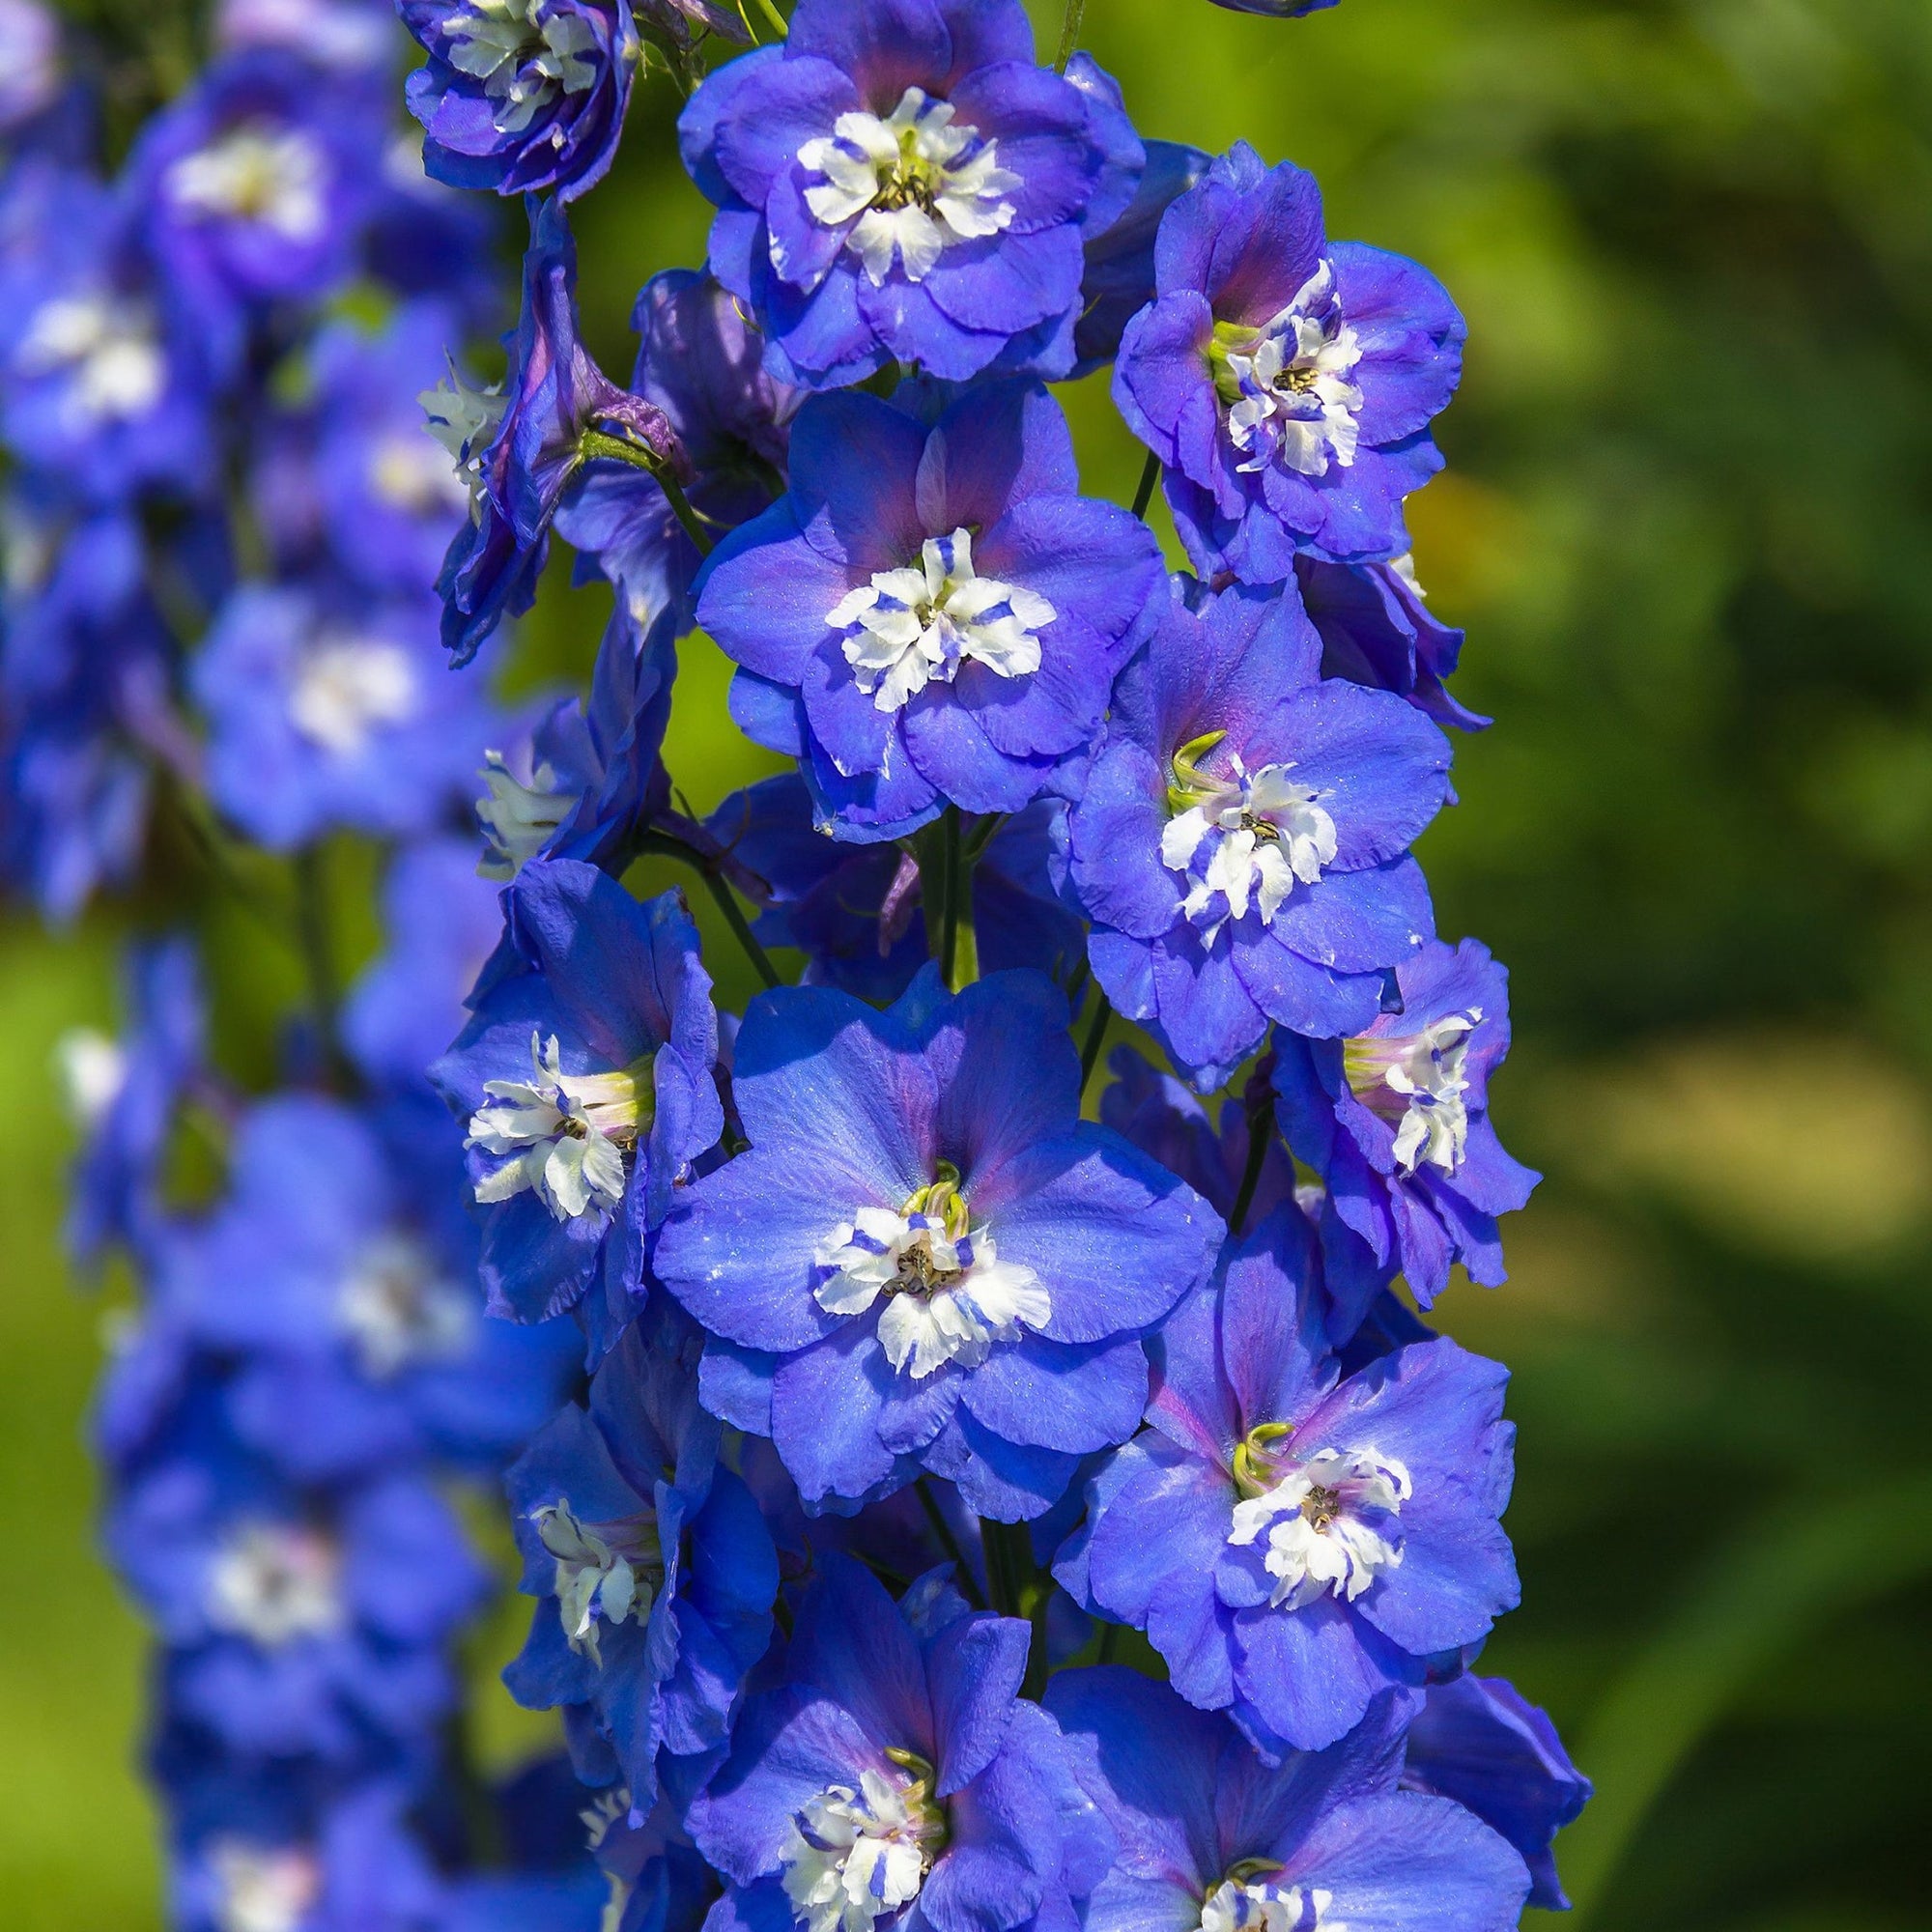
(668, 847)
(1150, 476)
(1070, 34)
(596, 442)
(962, 1573)
(1096, 1035)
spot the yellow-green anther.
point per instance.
(941, 1200)
(1228, 339)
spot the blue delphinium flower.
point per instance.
(340, 1271)
(387, 499)
(894, 1777)
(1241, 839)
(520, 448)
(1376, 630)
(327, 711)
(299, 1621)
(103, 380)
(698, 360)
(1295, 1542)
(856, 912)
(902, 183)
(1211, 1839)
(442, 924)
(585, 1076)
(1479, 1741)
(275, 1848)
(125, 1093)
(349, 37)
(654, 1571)
(1395, 1119)
(521, 96)
(32, 66)
(1286, 381)
(932, 615)
(86, 671)
(255, 181)
(659, 1880)
(927, 1259)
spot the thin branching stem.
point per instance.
(1070, 34)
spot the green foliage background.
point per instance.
(1686, 519)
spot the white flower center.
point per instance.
(273, 176)
(1288, 398)
(1330, 1521)
(272, 1582)
(91, 1070)
(397, 1306)
(410, 473)
(563, 1132)
(1416, 1082)
(910, 185)
(110, 345)
(923, 621)
(346, 688)
(949, 1296)
(519, 820)
(605, 1570)
(263, 1888)
(1260, 1905)
(854, 1856)
(1242, 841)
(464, 422)
(524, 53)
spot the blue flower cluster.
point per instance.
(909, 1371)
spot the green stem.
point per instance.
(734, 918)
(596, 442)
(312, 931)
(664, 843)
(771, 13)
(962, 1571)
(1070, 34)
(983, 834)
(1150, 476)
(1097, 1033)
(1259, 1131)
(955, 867)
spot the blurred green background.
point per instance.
(1687, 520)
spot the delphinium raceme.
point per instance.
(920, 1362)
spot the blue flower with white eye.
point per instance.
(326, 709)
(297, 1620)
(1212, 1839)
(519, 448)
(340, 1273)
(1241, 838)
(856, 911)
(1395, 1120)
(1294, 1540)
(254, 183)
(1286, 381)
(1377, 629)
(927, 1259)
(522, 97)
(123, 1094)
(932, 613)
(698, 360)
(287, 1847)
(895, 1778)
(902, 183)
(585, 1078)
(104, 384)
(1479, 1741)
(654, 1571)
